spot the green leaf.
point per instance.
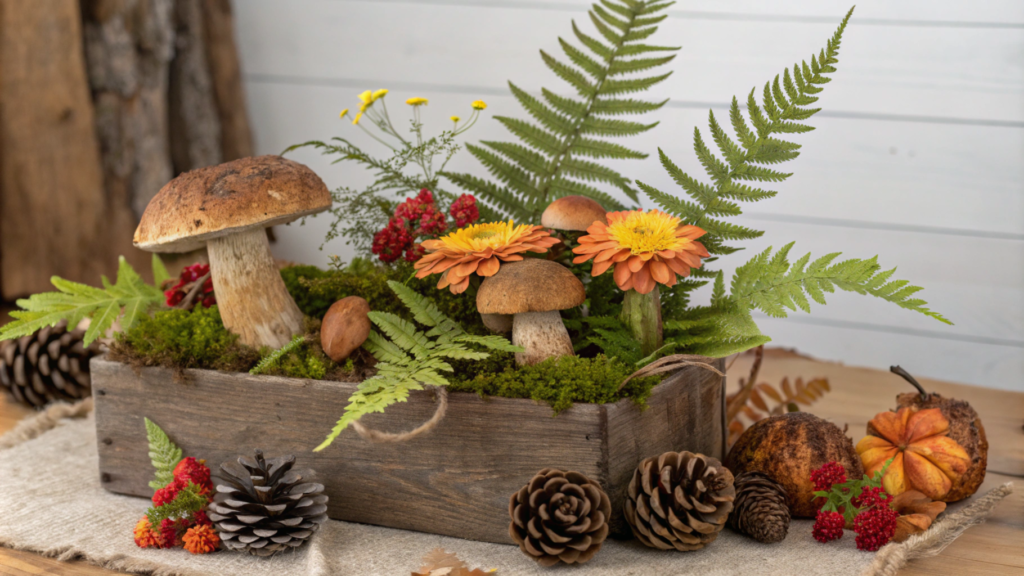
(160, 273)
(163, 453)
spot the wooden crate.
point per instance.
(455, 481)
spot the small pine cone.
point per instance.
(679, 500)
(50, 364)
(264, 507)
(559, 517)
(760, 509)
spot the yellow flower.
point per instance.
(367, 98)
(479, 249)
(417, 101)
(380, 94)
(479, 105)
(456, 118)
(343, 112)
(358, 117)
(646, 249)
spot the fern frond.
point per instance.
(163, 453)
(769, 283)
(128, 298)
(549, 162)
(188, 501)
(272, 359)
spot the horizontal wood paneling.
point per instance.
(917, 155)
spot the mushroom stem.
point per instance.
(542, 334)
(642, 314)
(253, 300)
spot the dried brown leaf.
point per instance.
(752, 403)
(770, 392)
(917, 512)
(757, 401)
(787, 389)
(437, 562)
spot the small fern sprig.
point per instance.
(409, 358)
(163, 453)
(129, 298)
(187, 502)
(785, 106)
(771, 284)
(554, 158)
(272, 359)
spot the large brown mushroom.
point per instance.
(573, 213)
(228, 208)
(533, 291)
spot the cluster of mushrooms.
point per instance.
(228, 207)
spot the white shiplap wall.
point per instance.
(918, 155)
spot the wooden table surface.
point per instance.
(993, 548)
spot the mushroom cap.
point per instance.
(573, 213)
(345, 327)
(530, 285)
(221, 200)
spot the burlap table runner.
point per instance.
(51, 502)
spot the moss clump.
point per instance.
(561, 382)
(295, 279)
(301, 358)
(181, 339)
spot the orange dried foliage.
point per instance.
(764, 400)
(440, 563)
(917, 512)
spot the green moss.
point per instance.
(182, 339)
(560, 382)
(301, 358)
(295, 278)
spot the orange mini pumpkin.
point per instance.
(924, 457)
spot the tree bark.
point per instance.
(55, 217)
(226, 75)
(195, 133)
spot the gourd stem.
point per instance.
(906, 376)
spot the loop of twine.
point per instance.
(671, 363)
(372, 435)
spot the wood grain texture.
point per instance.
(454, 481)
(195, 131)
(55, 217)
(226, 76)
(990, 549)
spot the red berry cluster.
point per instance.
(419, 217)
(875, 527)
(195, 532)
(828, 526)
(828, 475)
(189, 276)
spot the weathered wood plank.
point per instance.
(455, 481)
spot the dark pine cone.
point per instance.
(679, 500)
(50, 364)
(760, 508)
(264, 507)
(559, 517)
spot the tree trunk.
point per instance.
(226, 74)
(55, 217)
(195, 124)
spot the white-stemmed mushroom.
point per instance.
(533, 291)
(228, 208)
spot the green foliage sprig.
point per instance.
(297, 359)
(408, 358)
(163, 453)
(129, 298)
(554, 158)
(188, 501)
(840, 497)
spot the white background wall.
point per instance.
(918, 155)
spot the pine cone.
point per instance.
(760, 509)
(559, 517)
(50, 364)
(264, 507)
(679, 500)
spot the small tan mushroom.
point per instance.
(228, 208)
(345, 327)
(533, 290)
(574, 213)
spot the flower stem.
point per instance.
(642, 314)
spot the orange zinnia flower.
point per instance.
(479, 249)
(647, 248)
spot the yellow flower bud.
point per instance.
(479, 105)
(343, 112)
(380, 93)
(456, 118)
(366, 97)
(417, 101)
(358, 116)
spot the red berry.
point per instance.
(828, 475)
(871, 496)
(875, 527)
(464, 210)
(194, 471)
(168, 493)
(828, 526)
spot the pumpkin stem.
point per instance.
(906, 376)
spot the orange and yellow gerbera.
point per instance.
(479, 249)
(647, 249)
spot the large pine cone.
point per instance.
(760, 510)
(560, 517)
(264, 507)
(679, 500)
(50, 364)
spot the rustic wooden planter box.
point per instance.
(455, 481)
